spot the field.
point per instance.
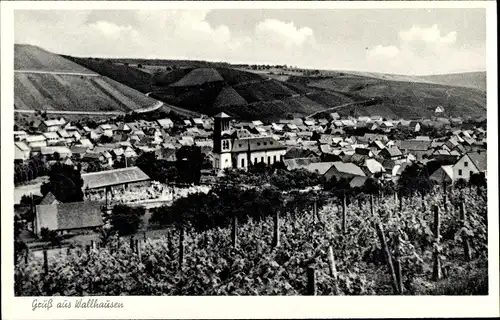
(27, 57)
(62, 92)
(381, 249)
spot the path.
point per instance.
(154, 107)
(337, 107)
(59, 73)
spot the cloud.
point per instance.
(276, 32)
(425, 50)
(383, 52)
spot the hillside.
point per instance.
(475, 80)
(47, 81)
(210, 88)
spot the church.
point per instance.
(239, 149)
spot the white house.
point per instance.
(470, 163)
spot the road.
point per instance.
(180, 110)
(337, 107)
(154, 107)
(59, 73)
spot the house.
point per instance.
(291, 127)
(21, 151)
(376, 145)
(295, 153)
(187, 123)
(257, 123)
(372, 167)
(48, 199)
(392, 153)
(330, 139)
(49, 152)
(443, 174)
(423, 138)
(357, 182)
(20, 135)
(364, 151)
(64, 218)
(334, 116)
(51, 125)
(341, 170)
(470, 163)
(320, 168)
(166, 154)
(418, 148)
(309, 123)
(51, 137)
(276, 127)
(439, 110)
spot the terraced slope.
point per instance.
(47, 81)
(32, 58)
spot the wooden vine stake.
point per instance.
(315, 210)
(234, 232)
(181, 248)
(138, 249)
(311, 281)
(333, 270)
(344, 215)
(466, 244)
(132, 244)
(387, 253)
(436, 267)
(276, 233)
(372, 208)
(400, 201)
(45, 262)
(445, 197)
(397, 263)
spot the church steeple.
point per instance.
(221, 129)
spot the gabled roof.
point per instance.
(22, 146)
(66, 216)
(222, 115)
(348, 167)
(414, 145)
(319, 167)
(102, 179)
(256, 144)
(479, 159)
(49, 199)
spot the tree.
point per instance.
(415, 177)
(65, 183)
(189, 164)
(478, 179)
(50, 236)
(126, 220)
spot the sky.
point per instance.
(398, 41)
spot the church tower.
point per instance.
(222, 142)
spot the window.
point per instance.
(243, 163)
(274, 158)
(261, 159)
(466, 164)
(271, 143)
(255, 160)
(459, 172)
(258, 143)
(269, 160)
(240, 144)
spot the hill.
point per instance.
(47, 81)
(209, 88)
(475, 80)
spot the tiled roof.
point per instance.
(297, 163)
(319, 167)
(113, 177)
(348, 168)
(65, 216)
(479, 159)
(256, 144)
(48, 199)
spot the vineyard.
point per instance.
(432, 244)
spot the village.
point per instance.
(352, 148)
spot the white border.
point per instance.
(251, 307)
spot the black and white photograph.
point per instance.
(241, 151)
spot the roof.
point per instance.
(479, 159)
(222, 115)
(51, 135)
(165, 122)
(348, 167)
(319, 167)
(22, 146)
(394, 151)
(54, 149)
(106, 178)
(49, 199)
(414, 145)
(294, 153)
(256, 144)
(357, 181)
(72, 215)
